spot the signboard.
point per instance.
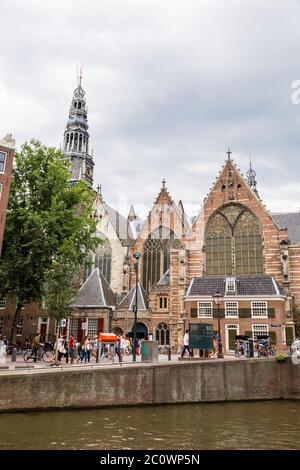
(84, 326)
(201, 336)
(275, 325)
(63, 323)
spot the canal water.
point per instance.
(252, 425)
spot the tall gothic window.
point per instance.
(233, 242)
(162, 334)
(156, 255)
(103, 259)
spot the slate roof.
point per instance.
(129, 299)
(291, 221)
(95, 292)
(245, 285)
(165, 279)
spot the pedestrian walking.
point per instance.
(72, 348)
(62, 348)
(186, 344)
(2, 348)
(86, 349)
(118, 348)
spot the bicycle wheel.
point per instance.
(28, 356)
(48, 356)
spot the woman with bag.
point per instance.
(62, 348)
(86, 349)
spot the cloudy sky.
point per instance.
(170, 85)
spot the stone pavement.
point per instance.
(6, 362)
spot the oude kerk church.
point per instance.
(234, 246)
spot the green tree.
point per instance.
(59, 286)
(47, 219)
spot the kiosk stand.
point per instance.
(106, 339)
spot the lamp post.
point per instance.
(135, 307)
(218, 298)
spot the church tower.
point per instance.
(76, 138)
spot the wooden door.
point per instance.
(100, 325)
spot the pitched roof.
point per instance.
(95, 292)
(184, 218)
(165, 279)
(291, 221)
(129, 300)
(245, 285)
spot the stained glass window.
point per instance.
(156, 255)
(162, 334)
(233, 242)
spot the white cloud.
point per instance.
(170, 86)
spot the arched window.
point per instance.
(103, 259)
(156, 255)
(162, 334)
(233, 242)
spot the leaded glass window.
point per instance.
(162, 334)
(103, 259)
(156, 255)
(233, 242)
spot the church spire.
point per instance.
(229, 152)
(76, 137)
(132, 215)
(251, 178)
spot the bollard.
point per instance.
(97, 355)
(14, 355)
(169, 354)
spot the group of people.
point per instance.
(72, 349)
(87, 349)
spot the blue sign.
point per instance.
(275, 325)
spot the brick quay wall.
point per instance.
(254, 379)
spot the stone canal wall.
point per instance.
(185, 382)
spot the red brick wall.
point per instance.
(5, 179)
(294, 265)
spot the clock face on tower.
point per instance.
(89, 172)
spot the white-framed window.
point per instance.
(230, 285)
(2, 161)
(92, 329)
(19, 326)
(259, 330)
(259, 309)
(231, 309)
(1, 188)
(163, 303)
(73, 327)
(2, 302)
(1, 325)
(205, 309)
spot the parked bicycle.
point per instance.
(31, 356)
(265, 348)
(239, 348)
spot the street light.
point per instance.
(218, 298)
(135, 307)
